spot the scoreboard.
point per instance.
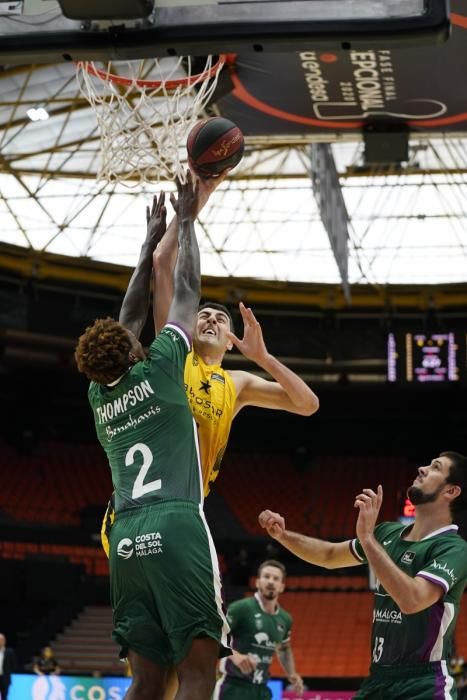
(424, 358)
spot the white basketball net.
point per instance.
(144, 119)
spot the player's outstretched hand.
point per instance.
(208, 185)
(186, 202)
(252, 344)
(369, 503)
(156, 220)
(297, 683)
(273, 523)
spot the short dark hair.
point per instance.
(272, 562)
(102, 353)
(457, 477)
(218, 307)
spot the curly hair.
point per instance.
(102, 353)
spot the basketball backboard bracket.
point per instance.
(202, 27)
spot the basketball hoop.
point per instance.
(144, 110)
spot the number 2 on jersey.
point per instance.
(139, 487)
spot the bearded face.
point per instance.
(418, 496)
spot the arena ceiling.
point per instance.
(406, 227)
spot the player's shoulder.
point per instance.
(171, 345)
(173, 332)
(242, 602)
(94, 390)
(386, 528)
(241, 605)
(240, 379)
(449, 540)
(285, 616)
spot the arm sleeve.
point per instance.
(357, 549)
(447, 565)
(233, 616)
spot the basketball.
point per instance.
(213, 145)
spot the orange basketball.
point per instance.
(213, 145)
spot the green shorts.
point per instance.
(164, 582)
(418, 682)
(228, 688)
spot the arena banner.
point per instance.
(419, 87)
(320, 695)
(32, 687)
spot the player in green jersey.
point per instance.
(259, 627)
(421, 572)
(164, 576)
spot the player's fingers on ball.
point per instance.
(173, 200)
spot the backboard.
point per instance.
(60, 30)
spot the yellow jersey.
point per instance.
(211, 396)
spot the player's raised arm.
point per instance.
(411, 593)
(330, 555)
(288, 392)
(187, 275)
(165, 256)
(135, 305)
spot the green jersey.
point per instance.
(257, 633)
(146, 428)
(426, 636)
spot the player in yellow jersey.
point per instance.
(212, 397)
(217, 395)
